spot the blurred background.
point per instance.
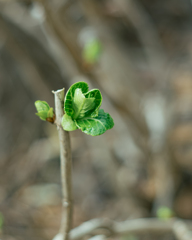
(139, 54)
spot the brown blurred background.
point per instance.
(139, 54)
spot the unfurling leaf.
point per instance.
(42, 106)
(69, 97)
(79, 102)
(81, 105)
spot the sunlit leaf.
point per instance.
(79, 103)
(82, 105)
(69, 97)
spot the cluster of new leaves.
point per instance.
(44, 111)
(82, 111)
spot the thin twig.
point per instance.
(57, 27)
(98, 237)
(65, 156)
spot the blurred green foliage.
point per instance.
(130, 237)
(164, 213)
(92, 51)
(1, 221)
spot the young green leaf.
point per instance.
(42, 106)
(50, 113)
(69, 97)
(43, 110)
(68, 124)
(95, 126)
(42, 115)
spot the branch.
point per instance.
(133, 226)
(65, 156)
(90, 227)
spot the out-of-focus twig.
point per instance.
(90, 227)
(181, 231)
(135, 226)
(56, 26)
(145, 225)
(98, 237)
(133, 11)
(36, 83)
